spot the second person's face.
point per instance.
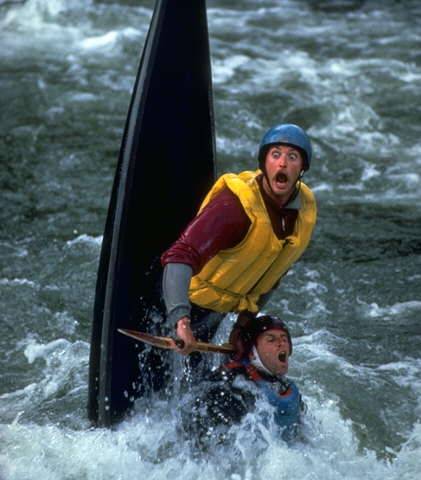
(273, 349)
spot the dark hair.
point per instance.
(248, 327)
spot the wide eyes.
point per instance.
(272, 338)
(292, 155)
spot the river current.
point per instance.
(347, 71)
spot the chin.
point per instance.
(282, 370)
(281, 192)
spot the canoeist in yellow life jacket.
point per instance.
(250, 229)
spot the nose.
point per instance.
(282, 160)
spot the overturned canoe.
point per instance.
(165, 167)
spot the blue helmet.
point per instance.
(289, 134)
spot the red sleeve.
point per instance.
(222, 224)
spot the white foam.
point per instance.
(108, 40)
(18, 282)
(150, 447)
(414, 151)
(51, 25)
(373, 310)
(407, 464)
(82, 97)
(42, 18)
(148, 444)
(237, 147)
(369, 172)
(410, 180)
(85, 239)
(352, 187)
(332, 452)
(34, 350)
(407, 374)
(65, 322)
(35, 10)
(13, 250)
(224, 69)
(322, 187)
(63, 366)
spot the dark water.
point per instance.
(350, 73)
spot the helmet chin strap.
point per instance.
(298, 184)
(267, 180)
(256, 361)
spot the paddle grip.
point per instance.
(179, 342)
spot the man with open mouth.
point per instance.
(250, 229)
(257, 370)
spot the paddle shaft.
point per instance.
(167, 342)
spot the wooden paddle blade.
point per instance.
(160, 342)
(167, 342)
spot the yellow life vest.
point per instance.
(235, 278)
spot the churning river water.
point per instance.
(347, 71)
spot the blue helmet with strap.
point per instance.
(289, 134)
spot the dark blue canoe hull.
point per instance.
(165, 167)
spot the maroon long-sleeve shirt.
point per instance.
(223, 224)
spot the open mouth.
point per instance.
(282, 357)
(281, 178)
